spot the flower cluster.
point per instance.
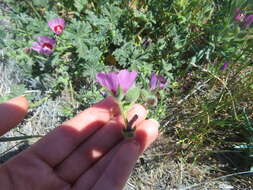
(124, 80)
(45, 44)
(242, 18)
(122, 86)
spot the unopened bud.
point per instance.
(152, 100)
(27, 50)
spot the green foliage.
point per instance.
(132, 95)
(80, 4)
(40, 3)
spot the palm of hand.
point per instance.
(86, 152)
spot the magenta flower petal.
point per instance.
(225, 66)
(44, 45)
(57, 25)
(126, 79)
(153, 81)
(157, 81)
(248, 20)
(42, 38)
(108, 80)
(36, 47)
(113, 81)
(162, 81)
(46, 39)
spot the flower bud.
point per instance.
(152, 100)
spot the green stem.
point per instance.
(38, 103)
(123, 114)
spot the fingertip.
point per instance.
(154, 123)
(109, 103)
(20, 102)
(137, 109)
(12, 112)
(146, 133)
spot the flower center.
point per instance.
(47, 46)
(241, 16)
(58, 29)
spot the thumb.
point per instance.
(12, 112)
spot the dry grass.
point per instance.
(160, 169)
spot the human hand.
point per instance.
(87, 152)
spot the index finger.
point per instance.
(59, 143)
(12, 112)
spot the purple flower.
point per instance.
(44, 45)
(57, 25)
(157, 81)
(112, 81)
(239, 15)
(225, 66)
(248, 20)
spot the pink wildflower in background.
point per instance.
(115, 80)
(57, 25)
(157, 81)
(44, 45)
(244, 19)
(239, 15)
(225, 66)
(248, 20)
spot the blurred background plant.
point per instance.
(205, 54)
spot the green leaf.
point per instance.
(132, 95)
(82, 48)
(80, 4)
(41, 3)
(2, 34)
(93, 55)
(145, 94)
